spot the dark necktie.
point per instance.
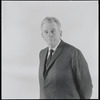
(49, 58)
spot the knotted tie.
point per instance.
(49, 58)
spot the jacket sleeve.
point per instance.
(83, 80)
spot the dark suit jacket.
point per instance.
(67, 76)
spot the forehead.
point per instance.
(49, 25)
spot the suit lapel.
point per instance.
(43, 60)
(56, 54)
(44, 56)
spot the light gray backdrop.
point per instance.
(22, 41)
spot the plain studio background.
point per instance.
(22, 41)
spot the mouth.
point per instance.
(50, 38)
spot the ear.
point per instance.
(42, 35)
(61, 33)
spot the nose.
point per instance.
(50, 34)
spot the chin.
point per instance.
(50, 43)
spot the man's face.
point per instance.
(51, 33)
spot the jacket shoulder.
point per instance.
(71, 50)
(70, 47)
(42, 51)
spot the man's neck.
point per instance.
(54, 48)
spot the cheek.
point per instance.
(45, 38)
(57, 35)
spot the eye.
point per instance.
(46, 31)
(52, 31)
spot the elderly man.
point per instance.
(63, 71)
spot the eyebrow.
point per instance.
(51, 29)
(45, 30)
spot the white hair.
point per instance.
(50, 20)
